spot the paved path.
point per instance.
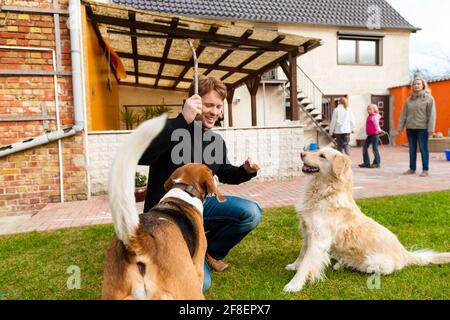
(367, 183)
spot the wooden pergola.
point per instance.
(155, 54)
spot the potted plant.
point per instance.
(129, 118)
(140, 184)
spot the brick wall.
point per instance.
(275, 149)
(30, 179)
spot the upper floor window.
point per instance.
(359, 50)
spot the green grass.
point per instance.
(34, 265)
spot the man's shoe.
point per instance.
(216, 265)
(373, 165)
(409, 172)
(424, 174)
(363, 165)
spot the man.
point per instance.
(227, 223)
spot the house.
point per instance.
(364, 51)
(68, 74)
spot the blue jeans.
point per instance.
(418, 136)
(226, 224)
(371, 140)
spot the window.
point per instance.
(359, 50)
(329, 103)
(270, 75)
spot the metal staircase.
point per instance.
(310, 99)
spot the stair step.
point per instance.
(305, 101)
(301, 95)
(314, 112)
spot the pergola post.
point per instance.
(253, 86)
(230, 95)
(293, 92)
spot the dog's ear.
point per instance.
(211, 188)
(341, 164)
(168, 184)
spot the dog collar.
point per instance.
(188, 188)
(186, 197)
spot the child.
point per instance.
(373, 131)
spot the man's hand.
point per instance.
(250, 167)
(192, 108)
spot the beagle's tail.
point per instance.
(122, 174)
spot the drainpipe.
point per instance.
(75, 29)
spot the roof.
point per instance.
(353, 13)
(155, 53)
(439, 79)
(429, 80)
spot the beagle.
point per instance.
(159, 254)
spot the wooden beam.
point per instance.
(293, 89)
(227, 53)
(198, 52)
(284, 65)
(253, 56)
(184, 63)
(167, 46)
(128, 84)
(253, 86)
(261, 70)
(189, 33)
(132, 18)
(99, 37)
(162, 77)
(230, 95)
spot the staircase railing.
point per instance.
(310, 89)
(315, 97)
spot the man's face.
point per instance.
(211, 109)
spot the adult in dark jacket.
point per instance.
(184, 140)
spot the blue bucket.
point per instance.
(447, 154)
(313, 147)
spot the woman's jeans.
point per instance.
(226, 224)
(371, 140)
(418, 136)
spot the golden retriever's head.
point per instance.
(326, 162)
(196, 179)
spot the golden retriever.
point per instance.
(333, 226)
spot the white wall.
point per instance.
(275, 149)
(270, 107)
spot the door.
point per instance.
(383, 106)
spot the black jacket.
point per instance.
(158, 157)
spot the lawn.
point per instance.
(35, 265)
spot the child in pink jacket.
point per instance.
(373, 132)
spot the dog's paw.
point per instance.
(291, 267)
(337, 266)
(292, 287)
